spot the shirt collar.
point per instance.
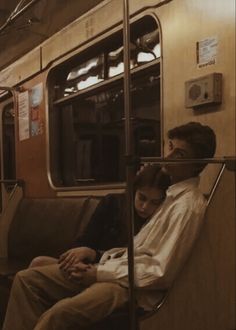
(182, 186)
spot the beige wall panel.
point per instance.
(183, 24)
(21, 69)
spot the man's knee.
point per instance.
(88, 307)
(112, 290)
(62, 315)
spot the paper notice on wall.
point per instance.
(23, 110)
(36, 97)
(207, 51)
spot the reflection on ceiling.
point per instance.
(24, 24)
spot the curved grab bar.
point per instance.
(156, 308)
(17, 183)
(219, 176)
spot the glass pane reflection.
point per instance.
(84, 75)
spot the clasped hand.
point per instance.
(75, 256)
(74, 263)
(83, 273)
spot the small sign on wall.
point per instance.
(30, 121)
(207, 51)
(36, 97)
(23, 104)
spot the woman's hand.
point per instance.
(76, 255)
(83, 274)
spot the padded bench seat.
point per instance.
(47, 226)
(42, 226)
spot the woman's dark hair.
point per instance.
(152, 176)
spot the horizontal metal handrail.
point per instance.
(228, 162)
(221, 160)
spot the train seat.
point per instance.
(41, 226)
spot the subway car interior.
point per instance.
(94, 95)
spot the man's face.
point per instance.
(179, 149)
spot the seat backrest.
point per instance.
(203, 295)
(47, 226)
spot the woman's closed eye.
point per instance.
(156, 202)
(142, 197)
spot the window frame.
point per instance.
(99, 87)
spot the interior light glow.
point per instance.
(115, 70)
(157, 50)
(70, 90)
(92, 80)
(145, 57)
(83, 69)
(86, 69)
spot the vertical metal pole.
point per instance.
(129, 165)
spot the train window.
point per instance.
(86, 118)
(8, 141)
(84, 75)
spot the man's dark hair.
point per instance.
(201, 138)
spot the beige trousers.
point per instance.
(43, 299)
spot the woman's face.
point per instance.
(146, 201)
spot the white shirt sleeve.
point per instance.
(160, 248)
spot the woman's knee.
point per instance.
(42, 261)
(22, 277)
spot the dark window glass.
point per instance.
(87, 143)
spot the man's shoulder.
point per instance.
(187, 199)
(192, 201)
(182, 189)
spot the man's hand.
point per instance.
(83, 274)
(76, 255)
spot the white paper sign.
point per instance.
(23, 106)
(36, 95)
(207, 51)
